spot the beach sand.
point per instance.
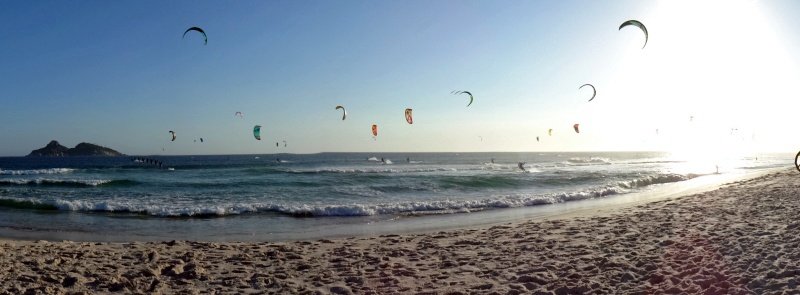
(743, 238)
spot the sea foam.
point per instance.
(36, 171)
(316, 210)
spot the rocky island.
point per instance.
(55, 149)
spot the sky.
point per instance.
(714, 76)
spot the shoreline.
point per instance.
(740, 238)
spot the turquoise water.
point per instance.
(164, 196)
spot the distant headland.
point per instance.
(55, 149)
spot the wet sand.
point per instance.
(743, 238)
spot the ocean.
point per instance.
(286, 196)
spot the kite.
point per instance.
(257, 132)
(409, 118)
(197, 30)
(550, 132)
(457, 92)
(374, 130)
(173, 135)
(576, 128)
(344, 112)
(239, 114)
(638, 24)
(594, 91)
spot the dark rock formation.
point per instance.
(88, 149)
(54, 149)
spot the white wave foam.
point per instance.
(495, 166)
(372, 170)
(655, 179)
(166, 209)
(589, 161)
(37, 171)
(422, 207)
(43, 181)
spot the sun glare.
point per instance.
(709, 80)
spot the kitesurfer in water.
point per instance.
(492, 160)
(521, 166)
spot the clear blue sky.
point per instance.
(118, 74)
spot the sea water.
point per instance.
(265, 197)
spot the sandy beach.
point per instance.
(743, 238)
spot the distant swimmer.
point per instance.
(521, 166)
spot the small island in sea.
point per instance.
(55, 149)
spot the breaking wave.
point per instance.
(36, 171)
(64, 182)
(589, 161)
(318, 210)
